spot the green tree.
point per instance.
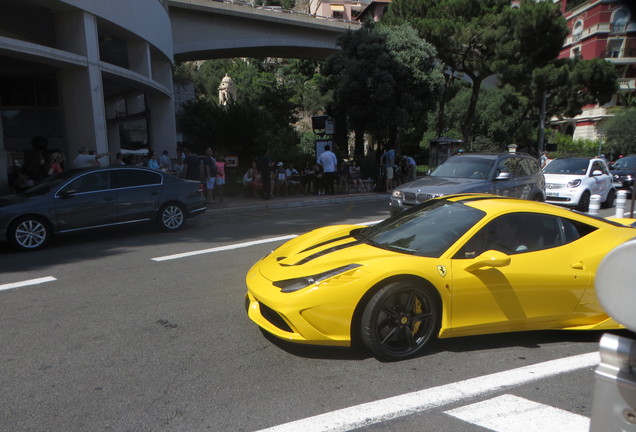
(620, 133)
(383, 79)
(478, 38)
(262, 115)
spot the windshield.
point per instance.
(464, 167)
(50, 183)
(567, 167)
(625, 163)
(426, 230)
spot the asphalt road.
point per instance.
(117, 340)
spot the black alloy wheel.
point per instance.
(29, 233)
(584, 202)
(171, 217)
(400, 320)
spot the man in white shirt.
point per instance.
(86, 160)
(329, 164)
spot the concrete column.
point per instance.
(81, 89)
(162, 125)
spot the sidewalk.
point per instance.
(242, 204)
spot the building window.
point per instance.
(577, 31)
(620, 19)
(614, 48)
(575, 53)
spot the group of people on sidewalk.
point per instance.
(267, 179)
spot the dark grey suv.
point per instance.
(509, 174)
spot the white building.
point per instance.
(79, 73)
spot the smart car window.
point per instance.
(426, 230)
(133, 178)
(567, 166)
(517, 233)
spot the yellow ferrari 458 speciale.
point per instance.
(452, 266)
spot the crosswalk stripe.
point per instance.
(369, 413)
(508, 413)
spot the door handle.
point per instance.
(109, 198)
(578, 265)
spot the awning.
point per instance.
(337, 8)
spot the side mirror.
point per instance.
(596, 173)
(503, 176)
(490, 258)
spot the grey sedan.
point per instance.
(81, 199)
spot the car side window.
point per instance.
(511, 165)
(530, 166)
(135, 177)
(518, 233)
(91, 182)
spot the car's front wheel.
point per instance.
(399, 320)
(584, 202)
(29, 233)
(171, 217)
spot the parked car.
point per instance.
(572, 181)
(623, 172)
(81, 199)
(454, 266)
(509, 174)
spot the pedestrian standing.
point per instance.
(191, 166)
(329, 164)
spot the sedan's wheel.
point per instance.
(584, 202)
(29, 233)
(171, 217)
(399, 320)
(609, 201)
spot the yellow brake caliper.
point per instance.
(417, 309)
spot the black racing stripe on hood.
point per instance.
(325, 243)
(327, 251)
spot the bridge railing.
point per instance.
(289, 11)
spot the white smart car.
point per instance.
(571, 182)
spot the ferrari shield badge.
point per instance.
(442, 270)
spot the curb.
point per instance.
(291, 203)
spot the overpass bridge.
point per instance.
(207, 29)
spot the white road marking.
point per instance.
(27, 283)
(399, 406)
(508, 413)
(224, 248)
(237, 245)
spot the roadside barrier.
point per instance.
(595, 204)
(621, 203)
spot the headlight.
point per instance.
(397, 194)
(574, 183)
(292, 285)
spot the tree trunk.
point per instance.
(467, 128)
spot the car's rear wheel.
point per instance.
(171, 217)
(399, 320)
(29, 233)
(609, 201)
(584, 202)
